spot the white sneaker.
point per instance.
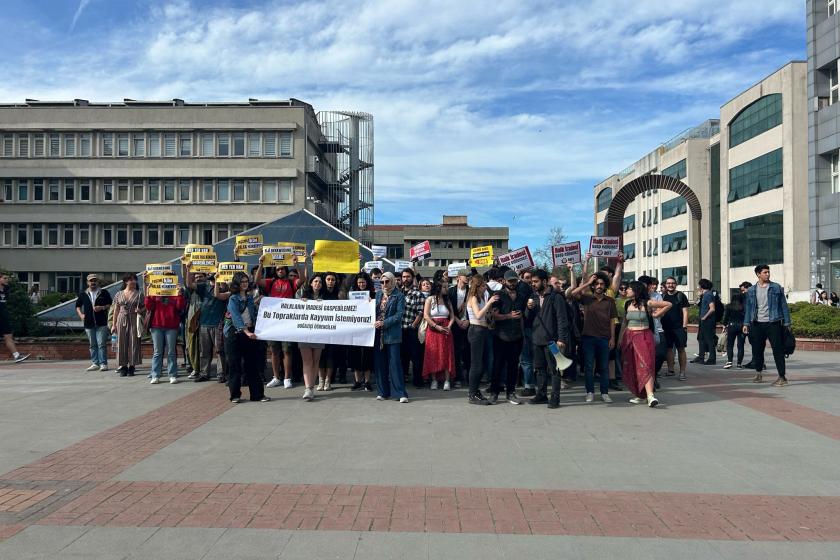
(287, 383)
(606, 398)
(446, 386)
(652, 401)
(727, 365)
(92, 367)
(192, 375)
(308, 395)
(590, 397)
(320, 385)
(637, 400)
(273, 383)
(173, 380)
(682, 376)
(155, 380)
(21, 357)
(380, 398)
(434, 385)
(403, 399)
(103, 367)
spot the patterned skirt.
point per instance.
(440, 353)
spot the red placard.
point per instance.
(422, 249)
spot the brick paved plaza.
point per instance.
(100, 467)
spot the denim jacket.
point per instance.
(394, 309)
(776, 303)
(237, 304)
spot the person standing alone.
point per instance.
(5, 320)
(92, 308)
(766, 317)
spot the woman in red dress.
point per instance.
(439, 357)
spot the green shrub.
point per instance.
(54, 298)
(815, 321)
(21, 310)
(694, 314)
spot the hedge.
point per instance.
(807, 320)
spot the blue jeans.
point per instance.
(388, 368)
(98, 338)
(170, 338)
(526, 360)
(596, 350)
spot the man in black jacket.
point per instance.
(92, 308)
(549, 320)
(458, 299)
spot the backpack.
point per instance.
(718, 308)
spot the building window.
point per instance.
(835, 172)
(154, 191)
(757, 240)
(69, 145)
(37, 235)
(286, 193)
(285, 144)
(154, 144)
(169, 191)
(23, 191)
(270, 144)
(207, 190)
(38, 145)
(122, 235)
(107, 235)
(152, 235)
(253, 191)
(8, 191)
(186, 145)
(760, 116)
(676, 241)
(239, 191)
(603, 200)
(207, 236)
(183, 235)
(69, 190)
(207, 145)
(169, 145)
(52, 235)
(22, 235)
(122, 145)
(137, 191)
(69, 235)
(254, 145)
(601, 228)
(139, 145)
(23, 145)
(184, 187)
(644, 249)
(673, 207)
(224, 145)
(629, 222)
(84, 145)
(38, 190)
(84, 190)
(122, 191)
(168, 235)
(84, 235)
(222, 233)
(629, 251)
(239, 144)
(223, 194)
(8, 145)
(137, 236)
(7, 235)
(54, 190)
(269, 193)
(677, 171)
(761, 174)
(107, 144)
(108, 191)
(680, 274)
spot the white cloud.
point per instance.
(82, 5)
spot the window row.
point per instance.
(757, 240)
(630, 222)
(674, 207)
(270, 191)
(677, 171)
(680, 274)
(147, 144)
(604, 199)
(629, 251)
(115, 235)
(650, 217)
(758, 117)
(676, 241)
(650, 248)
(758, 175)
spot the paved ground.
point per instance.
(95, 466)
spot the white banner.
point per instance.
(604, 246)
(378, 251)
(348, 322)
(399, 266)
(518, 259)
(370, 265)
(455, 269)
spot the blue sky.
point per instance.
(508, 111)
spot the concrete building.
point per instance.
(823, 30)
(450, 241)
(107, 187)
(748, 171)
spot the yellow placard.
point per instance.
(159, 268)
(162, 285)
(481, 256)
(226, 270)
(248, 245)
(282, 253)
(203, 262)
(336, 256)
(191, 249)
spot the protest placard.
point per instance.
(226, 270)
(198, 249)
(399, 266)
(565, 253)
(203, 263)
(370, 265)
(348, 322)
(378, 251)
(481, 256)
(455, 269)
(518, 259)
(420, 251)
(159, 268)
(336, 256)
(248, 245)
(604, 246)
(363, 295)
(162, 285)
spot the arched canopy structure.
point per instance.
(614, 222)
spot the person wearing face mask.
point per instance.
(598, 336)
(390, 306)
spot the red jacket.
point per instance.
(165, 311)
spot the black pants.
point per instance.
(505, 363)
(479, 337)
(545, 367)
(760, 333)
(462, 353)
(734, 333)
(410, 353)
(707, 338)
(243, 363)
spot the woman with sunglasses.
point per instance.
(242, 349)
(390, 306)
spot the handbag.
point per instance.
(788, 341)
(421, 331)
(140, 320)
(721, 345)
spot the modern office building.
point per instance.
(748, 172)
(823, 30)
(107, 187)
(450, 241)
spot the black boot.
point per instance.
(540, 398)
(554, 402)
(131, 371)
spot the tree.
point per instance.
(542, 256)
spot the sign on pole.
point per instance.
(566, 253)
(370, 265)
(422, 249)
(604, 246)
(455, 269)
(518, 259)
(399, 266)
(378, 251)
